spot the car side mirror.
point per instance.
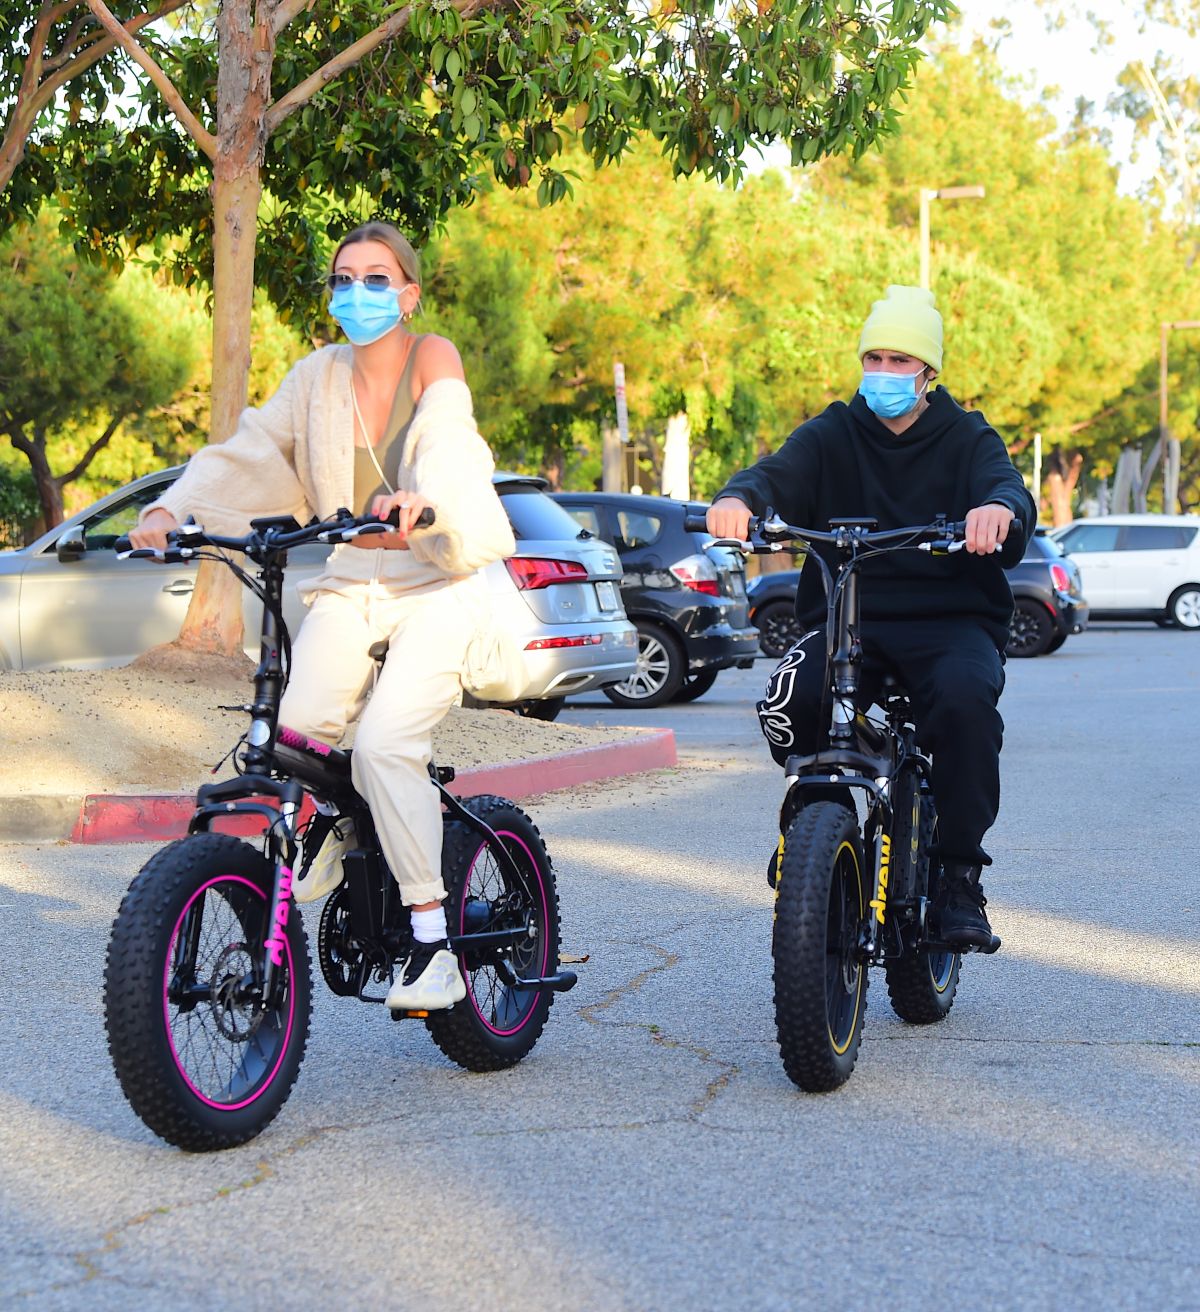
(72, 545)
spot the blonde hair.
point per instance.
(393, 239)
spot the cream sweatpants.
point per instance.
(333, 678)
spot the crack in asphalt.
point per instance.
(89, 1259)
(719, 1083)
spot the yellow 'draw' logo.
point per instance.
(879, 904)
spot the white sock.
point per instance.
(429, 926)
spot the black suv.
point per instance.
(1049, 604)
(686, 596)
(1049, 601)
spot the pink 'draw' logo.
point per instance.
(290, 738)
(275, 944)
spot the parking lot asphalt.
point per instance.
(1036, 1150)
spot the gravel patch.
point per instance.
(131, 730)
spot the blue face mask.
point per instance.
(365, 313)
(890, 395)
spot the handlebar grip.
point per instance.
(122, 544)
(424, 520)
(695, 524)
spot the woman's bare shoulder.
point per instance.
(437, 358)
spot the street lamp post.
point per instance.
(1166, 444)
(939, 193)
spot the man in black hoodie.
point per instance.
(903, 454)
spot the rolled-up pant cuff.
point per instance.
(415, 893)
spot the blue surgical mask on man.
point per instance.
(891, 395)
(365, 313)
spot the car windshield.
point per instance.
(534, 516)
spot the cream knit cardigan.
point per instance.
(294, 455)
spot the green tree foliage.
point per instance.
(294, 117)
(81, 350)
(740, 308)
(1094, 266)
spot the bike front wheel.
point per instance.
(820, 975)
(499, 1021)
(204, 1060)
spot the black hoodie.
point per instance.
(845, 464)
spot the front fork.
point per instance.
(282, 844)
(882, 866)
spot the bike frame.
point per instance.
(860, 754)
(278, 766)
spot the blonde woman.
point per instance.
(383, 423)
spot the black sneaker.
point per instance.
(961, 919)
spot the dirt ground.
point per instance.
(130, 730)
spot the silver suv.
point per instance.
(66, 601)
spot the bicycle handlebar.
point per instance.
(767, 533)
(184, 542)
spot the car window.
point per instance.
(101, 531)
(638, 529)
(1042, 547)
(535, 516)
(1090, 537)
(586, 518)
(1155, 537)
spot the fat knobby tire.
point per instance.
(461, 1032)
(812, 844)
(134, 1018)
(921, 985)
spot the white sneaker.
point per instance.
(323, 873)
(430, 980)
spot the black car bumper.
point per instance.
(1073, 615)
(720, 646)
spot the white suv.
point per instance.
(1138, 566)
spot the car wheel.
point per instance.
(778, 628)
(1056, 642)
(1184, 606)
(1032, 632)
(539, 708)
(661, 670)
(533, 708)
(696, 685)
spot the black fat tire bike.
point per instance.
(207, 989)
(851, 894)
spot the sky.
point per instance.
(1067, 63)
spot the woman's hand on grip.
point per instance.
(151, 533)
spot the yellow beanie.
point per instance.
(905, 320)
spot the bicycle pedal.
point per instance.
(401, 1014)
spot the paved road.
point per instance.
(1037, 1150)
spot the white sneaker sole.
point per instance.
(440, 985)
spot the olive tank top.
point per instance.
(367, 483)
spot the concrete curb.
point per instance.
(139, 818)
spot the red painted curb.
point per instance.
(117, 818)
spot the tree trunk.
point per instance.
(49, 489)
(1062, 475)
(214, 618)
(676, 464)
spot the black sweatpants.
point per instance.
(953, 673)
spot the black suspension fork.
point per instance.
(847, 655)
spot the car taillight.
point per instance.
(1060, 577)
(529, 572)
(698, 573)
(546, 644)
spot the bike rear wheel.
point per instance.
(498, 1022)
(921, 984)
(203, 1061)
(820, 976)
